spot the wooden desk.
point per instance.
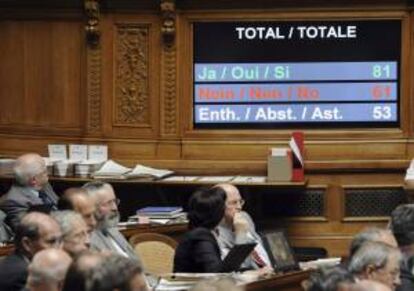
(285, 282)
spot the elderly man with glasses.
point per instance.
(237, 227)
(75, 236)
(106, 236)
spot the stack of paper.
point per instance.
(112, 170)
(161, 211)
(160, 214)
(143, 171)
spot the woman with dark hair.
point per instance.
(199, 252)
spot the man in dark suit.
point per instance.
(36, 231)
(31, 190)
(106, 235)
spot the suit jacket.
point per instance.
(13, 274)
(198, 252)
(101, 241)
(227, 239)
(19, 199)
(406, 275)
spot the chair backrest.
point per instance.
(156, 251)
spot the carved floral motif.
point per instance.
(131, 88)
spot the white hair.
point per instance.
(28, 166)
(66, 219)
(48, 266)
(372, 253)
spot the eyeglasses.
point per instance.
(76, 237)
(115, 201)
(235, 202)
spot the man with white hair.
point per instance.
(106, 236)
(47, 270)
(377, 261)
(374, 234)
(75, 235)
(31, 189)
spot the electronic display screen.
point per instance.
(291, 74)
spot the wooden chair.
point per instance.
(156, 251)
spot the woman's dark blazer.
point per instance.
(198, 252)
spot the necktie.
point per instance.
(257, 259)
(45, 198)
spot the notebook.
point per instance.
(236, 256)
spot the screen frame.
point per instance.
(186, 78)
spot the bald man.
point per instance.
(31, 189)
(36, 232)
(47, 270)
(77, 199)
(237, 227)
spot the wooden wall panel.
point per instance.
(43, 84)
(130, 93)
(11, 71)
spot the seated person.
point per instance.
(328, 279)
(106, 236)
(47, 270)
(237, 227)
(199, 251)
(402, 225)
(30, 189)
(104, 272)
(374, 234)
(77, 199)
(377, 261)
(36, 232)
(80, 271)
(75, 236)
(118, 273)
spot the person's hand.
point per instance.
(265, 271)
(262, 272)
(240, 223)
